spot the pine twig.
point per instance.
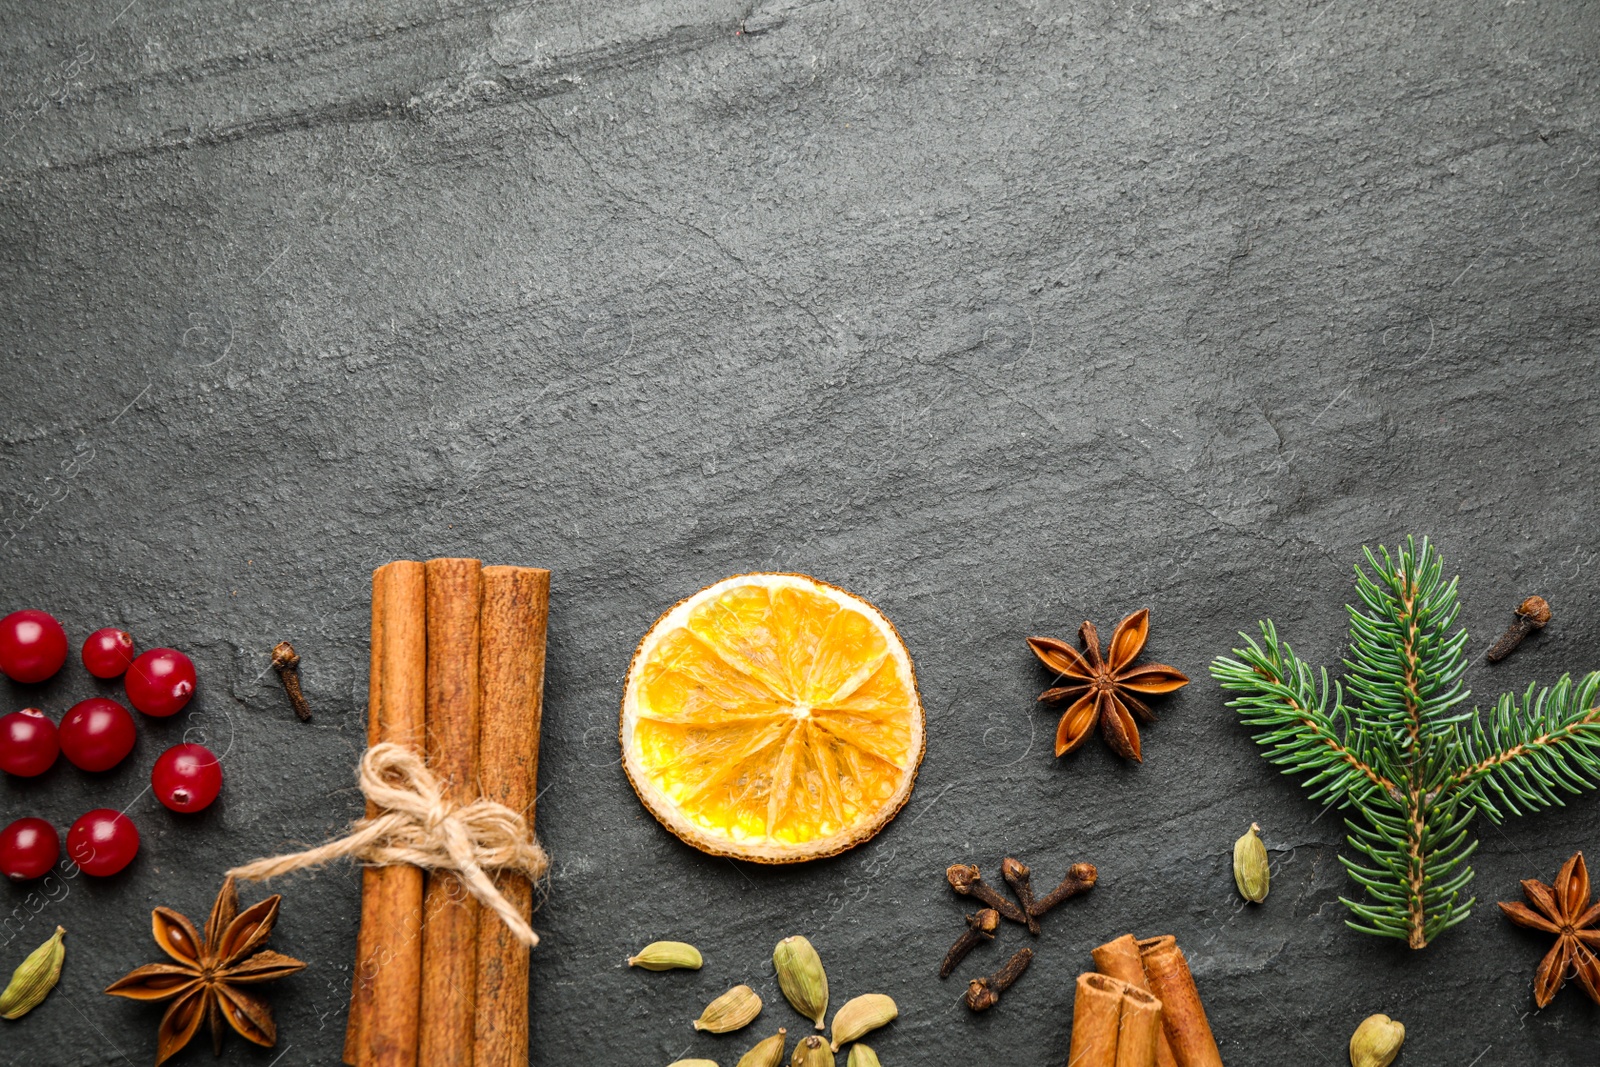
(1410, 768)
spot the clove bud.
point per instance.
(1532, 614)
(980, 927)
(1017, 876)
(964, 879)
(1081, 877)
(984, 993)
(286, 661)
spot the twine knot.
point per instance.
(417, 824)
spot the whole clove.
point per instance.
(287, 663)
(1017, 876)
(964, 879)
(1080, 878)
(1532, 614)
(980, 928)
(984, 993)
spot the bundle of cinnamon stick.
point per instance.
(457, 674)
(1141, 1009)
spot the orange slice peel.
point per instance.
(772, 718)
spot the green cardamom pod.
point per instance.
(801, 977)
(735, 1008)
(862, 1056)
(1252, 873)
(34, 978)
(812, 1052)
(693, 1063)
(1376, 1042)
(862, 1015)
(667, 956)
(768, 1053)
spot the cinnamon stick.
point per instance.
(516, 603)
(1096, 1012)
(1120, 959)
(384, 1004)
(1138, 1029)
(1182, 1016)
(450, 914)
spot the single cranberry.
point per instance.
(28, 849)
(97, 734)
(108, 652)
(186, 777)
(28, 743)
(103, 842)
(33, 646)
(160, 682)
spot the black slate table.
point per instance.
(1002, 315)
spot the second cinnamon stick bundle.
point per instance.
(1129, 971)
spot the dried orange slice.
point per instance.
(772, 717)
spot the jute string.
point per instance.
(418, 825)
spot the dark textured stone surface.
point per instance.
(1002, 315)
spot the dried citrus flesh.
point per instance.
(772, 717)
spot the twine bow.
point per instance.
(418, 825)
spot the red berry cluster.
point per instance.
(96, 735)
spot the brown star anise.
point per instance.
(1104, 688)
(1563, 910)
(205, 982)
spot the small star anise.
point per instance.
(204, 984)
(1563, 910)
(1104, 688)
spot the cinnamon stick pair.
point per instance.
(1157, 965)
(457, 668)
(1114, 1024)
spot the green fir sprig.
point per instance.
(1392, 745)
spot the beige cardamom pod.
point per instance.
(1376, 1042)
(812, 1052)
(801, 977)
(34, 977)
(735, 1008)
(1252, 872)
(861, 1016)
(667, 956)
(768, 1053)
(862, 1056)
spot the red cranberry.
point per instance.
(186, 777)
(28, 849)
(108, 652)
(97, 734)
(160, 682)
(28, 743)
(32, 646)
(103, 842)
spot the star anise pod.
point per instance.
(1563, 910)
(1104, 688)
(205, 983)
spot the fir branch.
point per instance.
(1530, 753)
(1300, 734)
(1411, 768)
